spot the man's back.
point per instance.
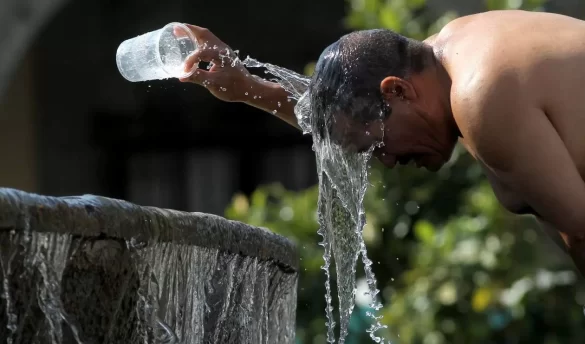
(519, 102)
(542, 53)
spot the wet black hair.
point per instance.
(348, 74)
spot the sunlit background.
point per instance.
(453, 267)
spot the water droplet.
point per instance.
(274, 112)
(278, 104)
(246, 93)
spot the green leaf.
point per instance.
(416, 4)
(355, 20)
(425, 232)
(496, 4)
(390, 19)
(371, 5)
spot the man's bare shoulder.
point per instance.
(487, 106)
(476, 90)
(521, 39)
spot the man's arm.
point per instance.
(231, 82)
(511, 199)
(272, 98)
(524, 151)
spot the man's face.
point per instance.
(403, 150)
(354, 136)
(399, 140)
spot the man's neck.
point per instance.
(444, 85)
(439, 78)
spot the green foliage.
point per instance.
(452, 266)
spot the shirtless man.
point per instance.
(505, 84)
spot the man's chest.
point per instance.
(508, 198)
(506, 195)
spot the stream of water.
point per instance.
(63, 289)
(343, 181)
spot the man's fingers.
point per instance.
(200, 32)
(203, 35)
(180, 32)
(191, 61)
(207, 39)
(200, 77)
(202, 54)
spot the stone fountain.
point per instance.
(95, 270)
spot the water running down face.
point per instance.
(398, 140)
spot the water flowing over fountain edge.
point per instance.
(182, 278)
(90, 215)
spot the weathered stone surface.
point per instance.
(99, 270)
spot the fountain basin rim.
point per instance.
(95, 216)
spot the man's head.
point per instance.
(376, 85)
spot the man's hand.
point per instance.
(227, 78)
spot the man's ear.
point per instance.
(397, 88)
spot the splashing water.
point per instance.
(343, 181)
(83, 287)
